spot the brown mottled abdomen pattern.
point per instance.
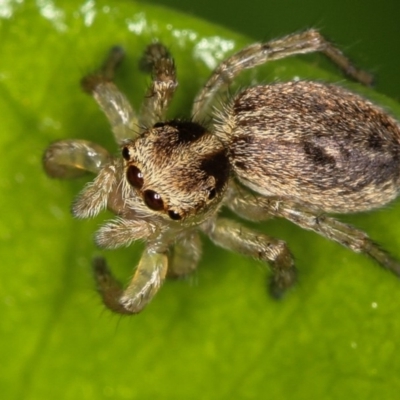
(315, 143)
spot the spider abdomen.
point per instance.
(316, 143)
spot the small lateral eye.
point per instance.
(125, 153)
(174, 215)
(134, 177)
(153, 200)
(212, 193)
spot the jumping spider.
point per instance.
(295, 150)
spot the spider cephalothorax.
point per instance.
(178, 167)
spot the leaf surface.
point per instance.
(216, 335)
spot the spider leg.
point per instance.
(234, 236)
(148, 278)
(158, 61)
(112, 101)
(254, 207)
(346, 235)
(256, 54)
(185, 255)
(67, 159)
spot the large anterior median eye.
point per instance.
(134, 177)
(153, 200)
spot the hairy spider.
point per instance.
(295, 150)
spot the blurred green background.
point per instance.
(216, 335)
(367, 30)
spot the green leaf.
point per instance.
(216, 335)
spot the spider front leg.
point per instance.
(259, 53)
(114, 104)
(234, 236)
(158, 61)
(67, 159)
(148, 278)
(73, 158)
(152, 267)
(255, 207)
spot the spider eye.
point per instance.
(212, 193)
(174, 215)
(153, 200)
(134, 177)
(125, 153)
